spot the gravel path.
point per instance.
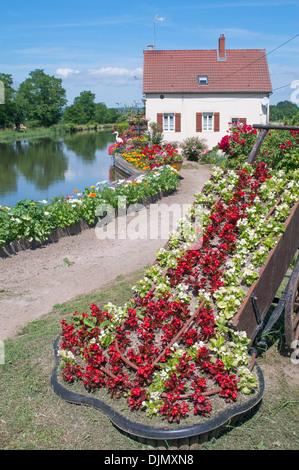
(33, 281)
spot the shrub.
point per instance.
(156, 133)
(280, 148)
(192, 148)
(122, 126)
(238, 144)
(31, 124)
(213, 157)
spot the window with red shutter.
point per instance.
(207, 122)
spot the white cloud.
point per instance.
(104, 75)
(116, 72)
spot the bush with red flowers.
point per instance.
(280, 148)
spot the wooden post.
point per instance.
(256, 147)
(279, 127)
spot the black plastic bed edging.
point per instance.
(149, 432)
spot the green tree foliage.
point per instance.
(101, 113)
(283, 110)
(82, 110)
(85, 110)
(111, 115)
(42, 98)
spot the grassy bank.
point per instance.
(11, 134)
(33, 417)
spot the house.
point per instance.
(199, 92)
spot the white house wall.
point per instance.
(229, 106)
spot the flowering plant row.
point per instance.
(34, 220)
(148, 158)
(171, 347)
(145, 158)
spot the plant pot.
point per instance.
(138, 145)
(156, 434)
(177, 165)
(138, 130)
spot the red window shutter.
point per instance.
(242, 120)
(216, 122)
(198, 122)
(160, 120)
(177, 125)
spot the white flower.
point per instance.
(155, 395)
(66, 355)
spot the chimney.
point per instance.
(221, 48)
(150, 47)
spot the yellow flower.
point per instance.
(32, 203)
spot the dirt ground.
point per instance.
(33, 281)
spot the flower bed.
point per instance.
(136, 151)
(171, 352)
(148, 158)
(35, 220)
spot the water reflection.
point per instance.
(85, 145)
(48, 167)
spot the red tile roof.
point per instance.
(177, 71)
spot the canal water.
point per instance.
(42, 168)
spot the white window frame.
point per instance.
(207, 121)
(168, 122)
(203, 80)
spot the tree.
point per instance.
(112, 115)
(283, 110)
(83, 109)
(101, 113)
(7, 109)
(42, 98)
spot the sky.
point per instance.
(98, 45)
